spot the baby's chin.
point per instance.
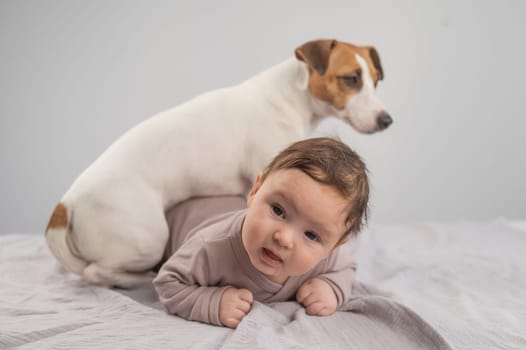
(267, 271)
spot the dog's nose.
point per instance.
(383, 120)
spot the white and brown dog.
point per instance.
(110, 226)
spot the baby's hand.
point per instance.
(317, 297)
(235, 304)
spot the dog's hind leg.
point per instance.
(121, 233)
(102, 276)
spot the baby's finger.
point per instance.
(314, 308)
(246, 295)
(244, 306)
(302, 294)
(231, 322)
(233, 318)
(238, 314)
(310, 299)
(325, 311)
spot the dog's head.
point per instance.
(344, 76)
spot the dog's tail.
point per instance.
(59, 240)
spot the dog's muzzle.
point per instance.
(383, 120)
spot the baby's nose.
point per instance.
(283, 238)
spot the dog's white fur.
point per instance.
(115, 229)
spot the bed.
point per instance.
(455, 285)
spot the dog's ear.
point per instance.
(316, 54)
(375, 58)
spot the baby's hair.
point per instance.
(330, 162)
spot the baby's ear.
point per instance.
(254, 189)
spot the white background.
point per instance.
(75, 75)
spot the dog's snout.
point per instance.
(384, 120)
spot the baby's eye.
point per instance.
(278, 211)
(312, 236)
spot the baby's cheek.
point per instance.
(304, 262)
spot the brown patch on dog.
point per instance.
(329, 61)
(59, 218)
(377, 64)
(316, 54)
(372, 58)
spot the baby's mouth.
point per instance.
(272, 256)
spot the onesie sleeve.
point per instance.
(340, 272)
(185, 287)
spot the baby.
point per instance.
(310, 200)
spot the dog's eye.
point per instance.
(352, 80)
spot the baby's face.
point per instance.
(292, 223)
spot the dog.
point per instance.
(110, 226)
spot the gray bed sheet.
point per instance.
(45, 307)
(466, 282)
